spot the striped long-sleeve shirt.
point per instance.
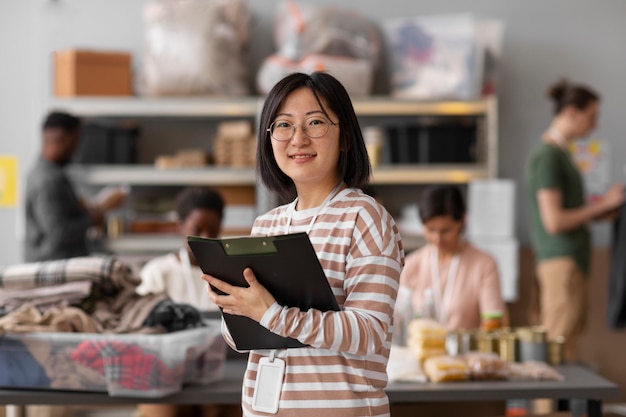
(343, 373)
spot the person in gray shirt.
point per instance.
(57, 219)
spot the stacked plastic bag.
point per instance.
(313, 38)
(195, 47)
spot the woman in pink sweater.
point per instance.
(459, 280)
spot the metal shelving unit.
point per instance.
(249, 107)
(149, 175)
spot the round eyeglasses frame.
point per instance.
(328, 124)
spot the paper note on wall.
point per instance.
(506, 254)
(8, 181)
(491, 208)
(592, 157)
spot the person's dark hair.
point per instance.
(441, 200)
(61, 120)
(353, 166)
(194, 198)
(565, 94)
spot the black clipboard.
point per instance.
(286, 265)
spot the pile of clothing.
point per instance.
(51, 310)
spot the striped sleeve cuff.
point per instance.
(271, 312)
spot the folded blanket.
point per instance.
(106, 272)
(61, 295)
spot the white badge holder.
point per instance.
(268, 385)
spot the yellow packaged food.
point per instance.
(426, 329)
(445, 368)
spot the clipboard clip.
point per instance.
(246, 246)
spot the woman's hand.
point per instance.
(614, 197)
(251, 302)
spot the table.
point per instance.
(580, 383)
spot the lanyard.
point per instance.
(442, 306)
(326, 201)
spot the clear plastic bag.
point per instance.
(311, 38)
(486, 366)
(195, 47)
(302, 29)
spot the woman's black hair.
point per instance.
(353, 166)
(565, 94)
(442, 200)
(193, 198)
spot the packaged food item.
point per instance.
(427, 329)
(487, 342)
(517, 372)
(491, 320)
(541, 370)
(508, 346)
(533, 343)
(459, 342)
(426, 338)
(445, 368)
(533, 370)
(556, 351)
(403, 365)
(486, 366)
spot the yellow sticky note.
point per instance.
(8, 181)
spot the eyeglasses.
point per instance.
(314, 127)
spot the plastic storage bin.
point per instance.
(127, 365)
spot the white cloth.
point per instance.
(167, 274)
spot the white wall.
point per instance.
(18, 108)
(544, 40)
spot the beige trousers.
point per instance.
(563, 302)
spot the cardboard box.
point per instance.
(124, 365)
(92, 73)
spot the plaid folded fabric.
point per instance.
(107, 272)
(127, 365)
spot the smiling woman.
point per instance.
(311, 150)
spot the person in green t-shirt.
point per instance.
(559, 214)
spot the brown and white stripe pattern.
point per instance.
(343, 373)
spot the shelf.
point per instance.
(424, 174)
(149, 175)
(234, 180)
(144, 243)
(159, 106)
(251, 106)
(389, 106)
(148, 243)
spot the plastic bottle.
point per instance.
(428, 306)
(491, 320)
(402, 316)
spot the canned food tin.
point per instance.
(487, 342)
(458, 342)
(508, 347)
(532, 343)
(556, 351)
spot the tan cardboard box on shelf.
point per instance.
(92, 73)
